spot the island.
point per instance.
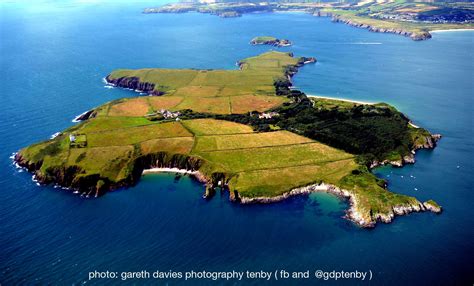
(245, 132)
(411, 19)
(271, 41)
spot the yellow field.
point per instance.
(179, 145)
(245, 103)
(132, 135)
(215, 127)
(164, 102)
(131, 107)
(218, 105)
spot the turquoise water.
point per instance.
(53, 58)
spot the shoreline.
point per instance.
(340, 99)
(413, 125)
(168, 170)
(200, 177)
(353, 213)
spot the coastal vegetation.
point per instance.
(256, 151)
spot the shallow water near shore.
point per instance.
(52, 62)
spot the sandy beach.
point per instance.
(340, 99)
(168, 170)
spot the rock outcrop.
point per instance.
(271, 42)
(134, 83)
(432, 206)
(84, 116)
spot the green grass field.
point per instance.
(212, 91)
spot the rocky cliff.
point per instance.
(133, 83)
(73, 177)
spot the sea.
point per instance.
(53, 58)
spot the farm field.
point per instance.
(223, 146)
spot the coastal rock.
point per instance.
(84, 116)
(306, 60)
(402, 210)
(271, 41)
(133, 83)
(409, 159)
(432, 206)
(429, 142)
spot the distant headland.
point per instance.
(411, 19)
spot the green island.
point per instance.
(271, 41)
(245, 132)
(414, 19)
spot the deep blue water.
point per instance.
(53, 57)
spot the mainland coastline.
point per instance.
(403, 19)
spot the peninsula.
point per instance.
(403, 17)
(241, 131)
(271, 41)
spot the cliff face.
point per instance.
(429, 142)
(133, 83)
(86, 115)
(69, 177)
(92, 184)
(75, 178)
(414, 36)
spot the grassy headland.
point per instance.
(214, 91)
(259, 143)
